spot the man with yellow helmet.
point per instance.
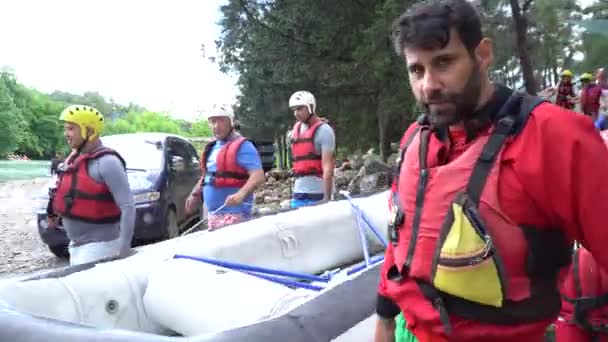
(92, 196)
(565, 91)
(590, 96)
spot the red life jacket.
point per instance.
(590, 99)
(80, 196)
(564, 90)
(586, 294)
(510, 277)
(306, 160)
(228, 173)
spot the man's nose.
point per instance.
(430, 84)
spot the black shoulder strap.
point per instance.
(407, 144)
(510, 121)
(102, 152)
(575, 273)
(527, 105)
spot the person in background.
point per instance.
(590, 96)
(231, 171)
(601, 78)
(59, 157)
(92, 196)
(313, 144)
(564, 93)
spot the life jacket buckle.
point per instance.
(393, 235)
(444, 316)
(487, 249)
(395, 224)
(394, 275)
(69, 200)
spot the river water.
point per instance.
(23, 169)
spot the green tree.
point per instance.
(10, 117)
(339, 50)
(595, 39)
(31, 126)
(200, 128)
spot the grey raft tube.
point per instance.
(321, 319)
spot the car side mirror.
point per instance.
(177, 164)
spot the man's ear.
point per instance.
(484, 53)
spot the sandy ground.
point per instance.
(21, 250)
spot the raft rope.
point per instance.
(279, 276)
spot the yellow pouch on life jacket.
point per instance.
(466, 265)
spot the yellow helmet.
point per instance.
(586, 77)
(567, 73)
(85, 117)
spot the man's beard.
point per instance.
(461, 107)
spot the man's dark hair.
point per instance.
(427, 25)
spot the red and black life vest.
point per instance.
(564, 90)
(228, 173)
(306, 160)
(453, 247)
(590, 99)
(586, 295)
(80, 196)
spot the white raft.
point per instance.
(154, 293)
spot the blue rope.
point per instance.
(366, 220)
(285, 281)
(363, 238)
(361, 266)
(275, 275)
(257, 269)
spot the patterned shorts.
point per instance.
(604, 135)
(217, 221)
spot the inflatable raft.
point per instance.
(290, 276)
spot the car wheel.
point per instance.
(171, 226)
(60, 251)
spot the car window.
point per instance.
(179, 148)
(194, 160)
(138, 153)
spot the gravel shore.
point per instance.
(21, 250)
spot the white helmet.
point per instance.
(220, 110)
(303, 98)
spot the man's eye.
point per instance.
(416, 70)
(443, 62)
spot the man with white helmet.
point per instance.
(313, 145)
(231, 170)
(92, 196)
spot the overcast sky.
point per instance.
(142, 51)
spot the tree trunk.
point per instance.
(384, 145)
(521, 29)
(555, 74)
(285, 150)
(281, 149)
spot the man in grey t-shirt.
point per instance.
(313, 145)
(93, 196)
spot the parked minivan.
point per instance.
(162, 170)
